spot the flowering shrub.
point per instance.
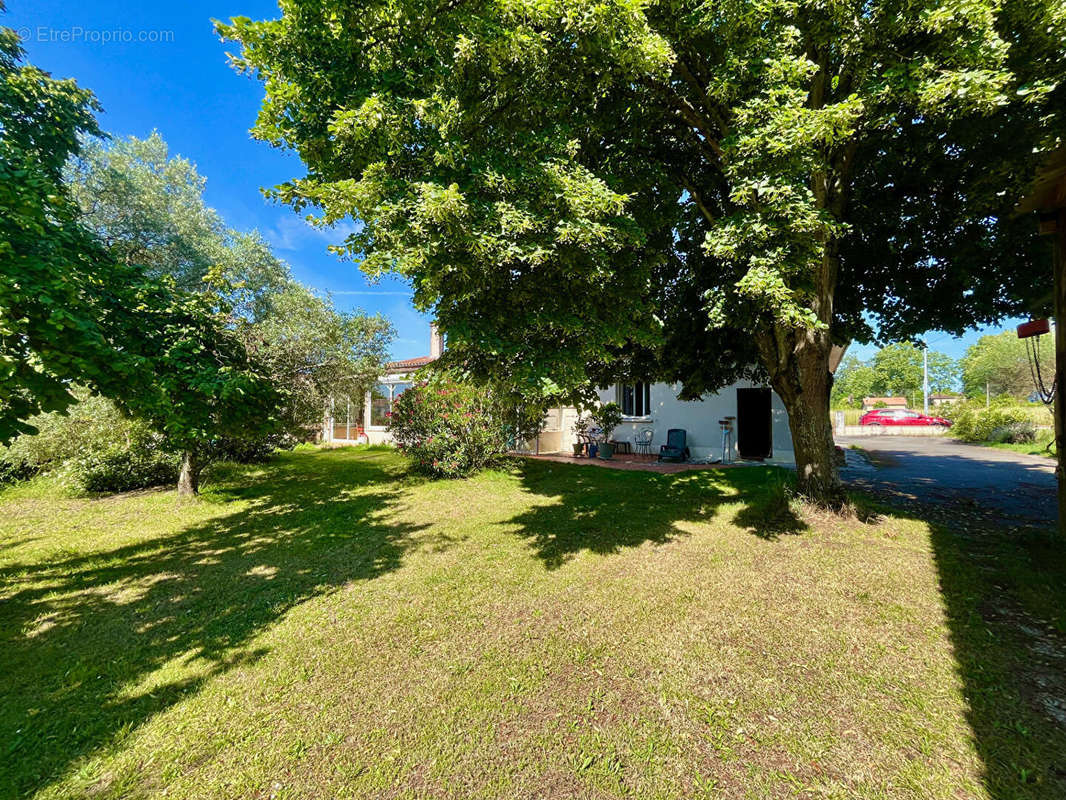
(450, 429)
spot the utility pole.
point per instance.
(925, 379)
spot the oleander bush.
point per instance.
(453, 429)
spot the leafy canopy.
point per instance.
(1000, 364)
(583, 187)
(549, 174)
(148, 207)
(60, 291)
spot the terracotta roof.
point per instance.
(888, 401)
(408, 364)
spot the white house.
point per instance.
(760, 422)
(760, 427)
(365, 419)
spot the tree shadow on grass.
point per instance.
(606, 510)
(86, 630)
(770, 514)
(1004, 594)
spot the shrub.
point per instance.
(1000, 422)
(93, 448)
(607, 417)
(1015, 433)
(122, 469)
(450, 429)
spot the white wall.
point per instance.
(700, 419)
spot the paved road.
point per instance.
(1014, 486)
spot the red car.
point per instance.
(900, 416)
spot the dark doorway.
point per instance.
(754, 422)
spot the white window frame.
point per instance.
(390, 383)
(645, 398)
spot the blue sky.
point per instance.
(161, 66)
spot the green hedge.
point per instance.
(1001, 422)
(92, 448)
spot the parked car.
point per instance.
(901, 416)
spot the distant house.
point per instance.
(869, 403)
(943, 399)
(365, 419)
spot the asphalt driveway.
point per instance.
(1013, 486)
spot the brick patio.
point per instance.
(634, 462)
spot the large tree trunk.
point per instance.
(189, 478)
(798, 363)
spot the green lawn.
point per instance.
(327, 626)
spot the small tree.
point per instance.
(197, 384)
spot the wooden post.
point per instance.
(1059, 266)
(1047, 197)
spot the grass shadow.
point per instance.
(1004, 595)
(600, 510)
(773, 514)
(79, 637)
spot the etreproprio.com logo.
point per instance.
(77, 34)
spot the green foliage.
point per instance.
(450, 429)
(141, 464)
(1003, 422)
(569, 186)
(203, 385)
(148, 207)
(999, 364)
(92, 447)
(854, 380)
(894, 371)
(607, 417)
(58, 287)
(899, 370)
(313, 351)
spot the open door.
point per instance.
(754, 423)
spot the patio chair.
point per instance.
(642, 441)
(675, 449)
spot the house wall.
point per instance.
(700, 419)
